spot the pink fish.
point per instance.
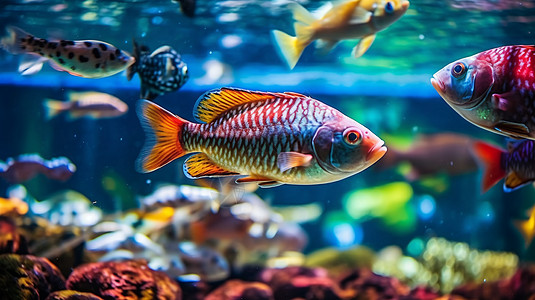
(273, 138)
(494, 89)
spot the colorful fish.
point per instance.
(89, 59)
(516, 165)
(160, 72)
(494, 89)
(86, 104)
(274, 138)
(27, 166)
(353, 19)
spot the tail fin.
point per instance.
(13, 42)
(290, 48)
(490, 156)
(53, 108)
(133, 68)
(164, 134)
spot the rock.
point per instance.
(123, 280)
(367, 285)
(72, 295)
(28, 277)
(302, 283)
(237, 290)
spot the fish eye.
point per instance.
(458, 70)
(389, 7)
(352, 137)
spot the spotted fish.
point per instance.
(516, 164)
(160, 72)
(273, 138)
(89, 59)
(494, 89)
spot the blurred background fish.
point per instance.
(94, 105)
(187, 7)
(89, 59)
(162, 71)
(431, 154)
(27, 166)
(346, 20)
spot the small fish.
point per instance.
(86, 104)
(516, 164)
(494, 89)
(527, 227)
(12, 207)
(187, 7)
(27, 166)
(353, 19)
(432, 154)
(67, 208)
(274, 138)
(160, 72)
(89, 59)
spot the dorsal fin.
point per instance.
(215, 102)
(160, 50)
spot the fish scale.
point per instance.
(258, 141)
(274, 138)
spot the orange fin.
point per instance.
(513, 182)
(200, 165)
(215, 102)
(164, 134)
(490, 156)
(288, 160)
(254, 178)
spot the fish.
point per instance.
(527, 227)
(12, 207)
(515, 164)
(187, 7)
(160, 72)
(273, 138)
(27, 166)
(494, 90)
(94, 105)
(432, 154)
(84, 58)
(352, 19)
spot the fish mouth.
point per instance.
(438, 85)
(376, 152)
(405, 5)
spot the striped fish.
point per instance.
(515, 164)
(494, 89)
(273, 138)
(89, 59)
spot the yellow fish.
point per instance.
(355, 19)
(527, 227)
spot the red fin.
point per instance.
(215, 102)
(164, 135)
(490, 156)
(200, 165)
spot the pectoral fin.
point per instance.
(288, 160)
(516, 130)
(200, 165)
(500, 101)
(513, 182)
(363, 46)
(360, 16)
